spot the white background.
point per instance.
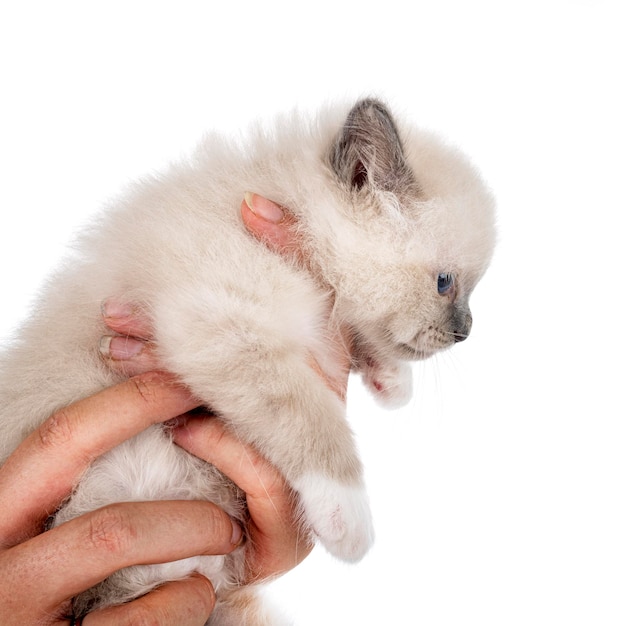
(497, 493)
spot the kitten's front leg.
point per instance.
(390, 382)
(255, 375)
(303, 431)
(338, 513)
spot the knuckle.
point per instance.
(57, 430)
(144, 388)
(111, 530)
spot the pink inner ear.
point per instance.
(360, 175)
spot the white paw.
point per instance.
(390, 383)
(338, 514)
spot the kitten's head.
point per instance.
(413, 234)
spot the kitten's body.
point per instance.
(380, 219)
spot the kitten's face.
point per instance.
(444, 318)
(417, 234)
(402, 303)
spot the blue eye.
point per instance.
(445, 282)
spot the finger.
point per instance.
(126, 319)
(127, 355)
(84, 551)
(277, 542)
(189, 602)
(271, 224)
(42, 471)
(207, 438)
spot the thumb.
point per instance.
(270, 223)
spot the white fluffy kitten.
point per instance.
(397, 229)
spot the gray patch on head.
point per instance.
(368, 151)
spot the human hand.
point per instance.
(53, 567)
(272, 224)
(42, 571)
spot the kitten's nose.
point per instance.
(462, 328)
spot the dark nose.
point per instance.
(462, 328)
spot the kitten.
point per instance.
(397, 228)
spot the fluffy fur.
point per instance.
(383, 211)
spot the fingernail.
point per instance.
(264, 208)
(237, 533)
(120, 348)
(116, 309)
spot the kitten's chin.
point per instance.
(406, 352)
(364, 352)
(413, 354)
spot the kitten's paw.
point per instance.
(390, 383)
(338, 514)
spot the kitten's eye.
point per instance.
(445, 282)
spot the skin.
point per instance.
(42, 571)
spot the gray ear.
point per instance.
(368, 150)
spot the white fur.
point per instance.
(338, 514)
(391, 384)
(236, 322)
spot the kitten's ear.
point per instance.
(368, 150)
